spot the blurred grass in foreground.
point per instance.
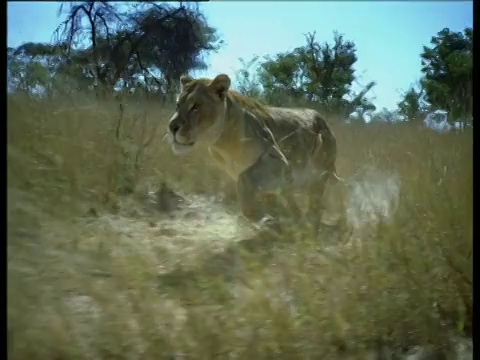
(410, 284)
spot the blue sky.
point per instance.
(389, 35)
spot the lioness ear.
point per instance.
(184, 80)
(220, 84)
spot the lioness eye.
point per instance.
(195, 107)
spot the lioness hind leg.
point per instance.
(316, 206)
(291, 208)
(265, 176)
(247, 199)
(269, 202)
(334, 200)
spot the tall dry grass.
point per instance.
(409, 284)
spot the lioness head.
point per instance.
(200, 113)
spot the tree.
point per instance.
(447, 67)
(316, 73)
(171, 40)
(148, 42)
(248, 82)
(101, 18)
(140, 46)
(29, 77)
(385, 116)
(411, 107)
(281, 78)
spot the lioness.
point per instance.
(267, 150)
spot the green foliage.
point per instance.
(27, 76)
(60, 72)
(146, 47)
(172, 39)
(98, 46)
(411, 107)
(313, 74)
(248, 83)
(385, 116)
(321, 76)
(447, 68)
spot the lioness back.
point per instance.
(297, 132)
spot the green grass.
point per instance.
(80, 291)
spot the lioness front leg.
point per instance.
(268, 175)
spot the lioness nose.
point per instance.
(174, 127)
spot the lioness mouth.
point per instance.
(184, 144)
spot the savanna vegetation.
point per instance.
(102, 266)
